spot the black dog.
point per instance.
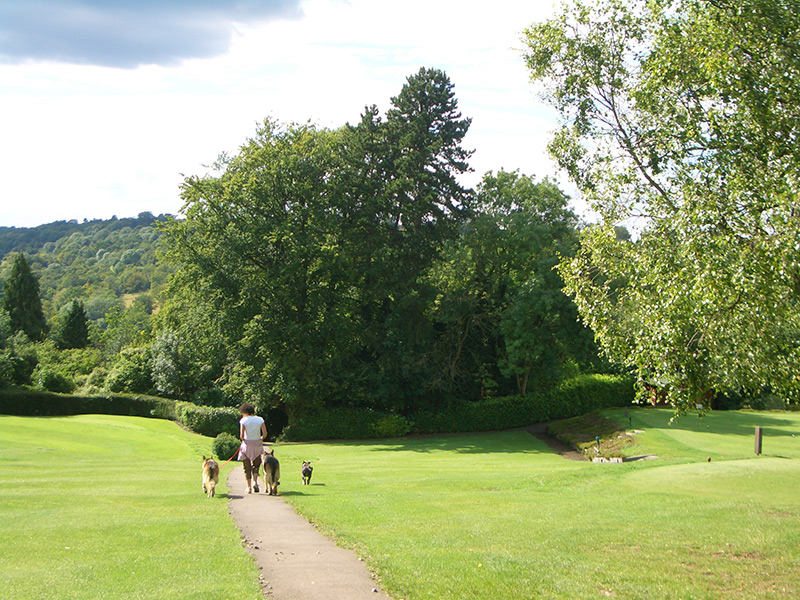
(306, 471)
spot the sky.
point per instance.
(105, 105)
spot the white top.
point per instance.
(252, 427)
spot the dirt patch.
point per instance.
(561, 448)
(296, 561)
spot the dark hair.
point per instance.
(247, 409)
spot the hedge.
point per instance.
(204, 420)
(570, 398)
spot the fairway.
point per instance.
(499, 516)
(105, 507)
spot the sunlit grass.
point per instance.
(499, 516)
(105, 507)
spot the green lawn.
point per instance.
(101, 507)
(498, 516)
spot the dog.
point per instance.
(210, 476)
(306, 472)
(272, 472)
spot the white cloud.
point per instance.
(81, 141)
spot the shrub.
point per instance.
(392, 426)
(210, 397)
(570, 398)
(224, 446)
(131, 373)
(54, 382)
(335, 423)
(207, 420)
(38, 402)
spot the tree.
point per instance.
(683, 115)
(22, 302)
(503, 322)
(74, 330)
(307, 251)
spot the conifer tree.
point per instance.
(22, 302)
(74, 332)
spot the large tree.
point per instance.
(22, 302)
(681, 118)
(307, 252)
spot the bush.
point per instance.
(572, 397)
(43, 403)
(131, 373)
(334, 424)
(392, 426)
(224, 446)
(54, 382)
(206, 420)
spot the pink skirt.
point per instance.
(251, 449)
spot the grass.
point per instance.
(110, 507)
(106, 507)
(499, 516)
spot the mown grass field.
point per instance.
(102, 507)
(499, 516)
(110, 507)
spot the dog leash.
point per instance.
(231, 458)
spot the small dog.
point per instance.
(272, 472)
(306, 472)
(210, 476)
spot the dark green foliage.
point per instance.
(132, 372)
(225, 445)
(22, 302)
(200, 419)
(211, 397)
(207, 420)
(53, 381)
(74, 330)
(18, 357)
(572, 397)
(335, 424)
(41, 403)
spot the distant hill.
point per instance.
(101, 262)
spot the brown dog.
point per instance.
(272, 473)
(210, 476)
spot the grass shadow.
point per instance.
(507, 442)
(739, 423)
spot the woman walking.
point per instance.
(252, 432)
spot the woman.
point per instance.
(252, 432)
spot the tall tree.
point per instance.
(74, 330)
(309, 247)
(22, 302)
(683, 115)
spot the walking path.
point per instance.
(297, 562)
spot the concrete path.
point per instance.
(297, 562)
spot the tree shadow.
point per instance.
(741, 423)
(504, 442)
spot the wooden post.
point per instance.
(758, 440)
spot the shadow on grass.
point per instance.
(742, 423)
(461, 443)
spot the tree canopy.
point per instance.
(681, 119)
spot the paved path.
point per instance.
(297, 562)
